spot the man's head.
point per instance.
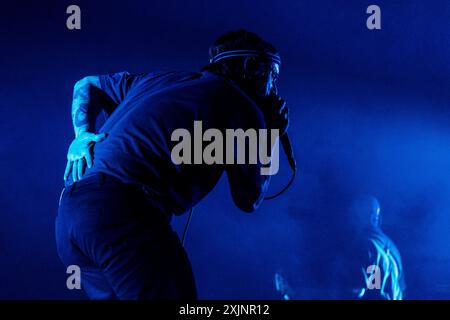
(247, 59)
(365, 211)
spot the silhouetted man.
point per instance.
(122, 185)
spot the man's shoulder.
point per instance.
(184, 78)
(232, 92)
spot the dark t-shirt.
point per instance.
(150, 106)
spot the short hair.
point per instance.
(240, 40)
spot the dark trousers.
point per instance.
(125, 248)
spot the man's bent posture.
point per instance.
(122, 186)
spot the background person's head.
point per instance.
(256, 75)
(365, 212)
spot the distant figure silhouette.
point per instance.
(283, 287)
(374, 254)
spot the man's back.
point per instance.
(107, 223)
(150, 108)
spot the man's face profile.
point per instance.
(263, 76)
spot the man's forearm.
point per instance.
(82, 99)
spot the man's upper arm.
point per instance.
(247, 185)
(117, 85)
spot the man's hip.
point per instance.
(106, 225)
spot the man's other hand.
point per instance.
(276, 113)
(80, 154)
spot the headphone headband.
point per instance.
(246, 53)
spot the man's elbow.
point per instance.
(248, 206)
(88, 81)
(249, 197)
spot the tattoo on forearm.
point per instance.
(80, 117)
(80, 104)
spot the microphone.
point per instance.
(287, 147)
(285, 141)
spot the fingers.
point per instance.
(80, 168)
(89, 161)
(80, 155)
(75, 171)
(67, 171)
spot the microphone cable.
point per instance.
(183, 239)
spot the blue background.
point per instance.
(369, 113)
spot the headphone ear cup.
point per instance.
(249, 67)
